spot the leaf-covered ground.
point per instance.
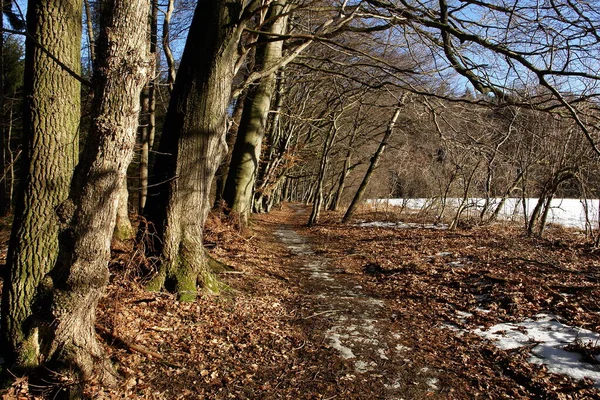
(350, 312)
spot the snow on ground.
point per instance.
(401, 225)
(548, 338)
(566, 212)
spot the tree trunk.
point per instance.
(232, 132)
(51, 124)
(245, 158)
(87, 218)
(123, 228)
(4, 203)
(148, 113)
(507, 193)
(191, 146)
(272, 167)
(318, 194)
(374, 160)
(90, 33)
(335, 203)
(171, 72)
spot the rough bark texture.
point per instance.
(246, 152)
(191, 146)
(51, 123)
(67, 334)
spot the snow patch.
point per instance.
(402, 348)
(336, 343)
(433, 383)
(401, 225)
(566, 212)
(549, 338)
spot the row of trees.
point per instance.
(306, 97)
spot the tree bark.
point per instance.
(245, 158)
(171, 72)
(4, 203)
(272, 168)
(90, 33)
(191, 146)
(374, 160)
(51, 123)
(318, 191)
(232, 132)
(87, 218)
(148, 113)
(335, 203)
(123, 228)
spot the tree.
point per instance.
(50, 148)
(148, 123)
(192, 144)
(49, 311)
(374, 160)
(243, 168)
(87, 218)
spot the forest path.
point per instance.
(337, 310)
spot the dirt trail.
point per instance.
(353, 322)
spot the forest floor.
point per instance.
(355, 311)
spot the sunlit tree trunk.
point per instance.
(223, 170)
(270, 171)
(335, 203)
(87, 218)
(318, 186)
(4, 202)
(123, 227)
(51, 124)
(374, 160)
(192, 145)
(166, 42)
(148, 113)
(238, 192)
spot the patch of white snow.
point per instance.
(550, 337)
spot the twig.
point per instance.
(321, 313)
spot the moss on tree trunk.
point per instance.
(191, 147)
(66, 304)
(51, 124)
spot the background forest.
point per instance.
(132, 119)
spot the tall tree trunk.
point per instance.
(270, 170)
(51, 124)
(245, 158)
(87, 218)
(191, 146)
(374, 160)
(344, 174)
(318, 191)
(148, 113)
(166, 42)
(90, 33)
(4, 203)
(232, 132)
